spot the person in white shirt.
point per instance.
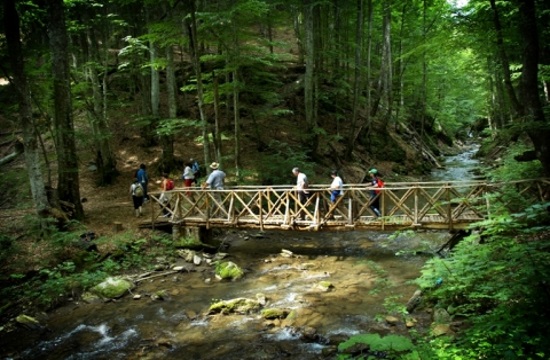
(301, 186)
(336, 187)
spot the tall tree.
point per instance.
(529, 85)
(68, 186)
(19, 81)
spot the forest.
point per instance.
(92, 88)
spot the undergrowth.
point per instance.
(73, 264)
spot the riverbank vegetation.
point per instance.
(91, 89)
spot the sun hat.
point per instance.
(214, 166)
(373, 171)
(295, 170)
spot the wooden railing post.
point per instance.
(260, 210)
(350, 211)
(416, 211)
(449, 207)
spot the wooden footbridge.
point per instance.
(418, 205)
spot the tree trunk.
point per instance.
(357, 77)
(105, 159)
(309, 79)
(198, 73)
(168, 139)
(68, 179)
(32, 153)
(529, 89)
(516, 106)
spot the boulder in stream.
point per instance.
(228, 270)
(112, 288)
(274, 313)
(238, 305)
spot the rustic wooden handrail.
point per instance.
(430, 205)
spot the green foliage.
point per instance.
(15, 188)
(495, 280)
(277, 164)
(391, 346)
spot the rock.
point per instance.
(286, 253)
(229, 270)
(197, 260)
(28, 322)
(159, 295)
(441, 316)
(219, 256)
(410, 323)
(308, 334)
(186, 254)
(274, 313)
(207, 281)
(306, 266)
(137, 297)
(178, 268)
(262, 300)
(112, 288)
(414, 301)
(392, 320)
(90, 298)
(325, 285)
(238, 305)
(442, 329)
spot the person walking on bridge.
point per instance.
(301, 187)
(376, 183)
(336, 187)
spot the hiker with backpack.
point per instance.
(167, 185)
(196, 169)
(376, 184)
(141, 175)
(137, 192)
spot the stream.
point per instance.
(371, 274)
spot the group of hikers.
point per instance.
(337, 188)
(216, 181)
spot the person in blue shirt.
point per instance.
(195, 167)
(142, 178)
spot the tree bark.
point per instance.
(529, 89)
(516, 106)
(68, 187)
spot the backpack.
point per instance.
(380, 184)
(138, 191)
(169, 184)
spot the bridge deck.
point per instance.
(433, 205)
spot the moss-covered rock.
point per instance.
(112, 288)
(229, 270)
(238, 305)
(274, 313)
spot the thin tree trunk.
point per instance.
(68, 178)
(217, 131)
(198, 73)
(309, 79)
(357, 85)
(32, 153)
(168, 139)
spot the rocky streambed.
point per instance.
(300, 295)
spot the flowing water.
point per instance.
(371, 275)
(458, 167)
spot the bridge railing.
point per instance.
(422, 204)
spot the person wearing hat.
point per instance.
(216, 179)
(375, 183)
(336, 187)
